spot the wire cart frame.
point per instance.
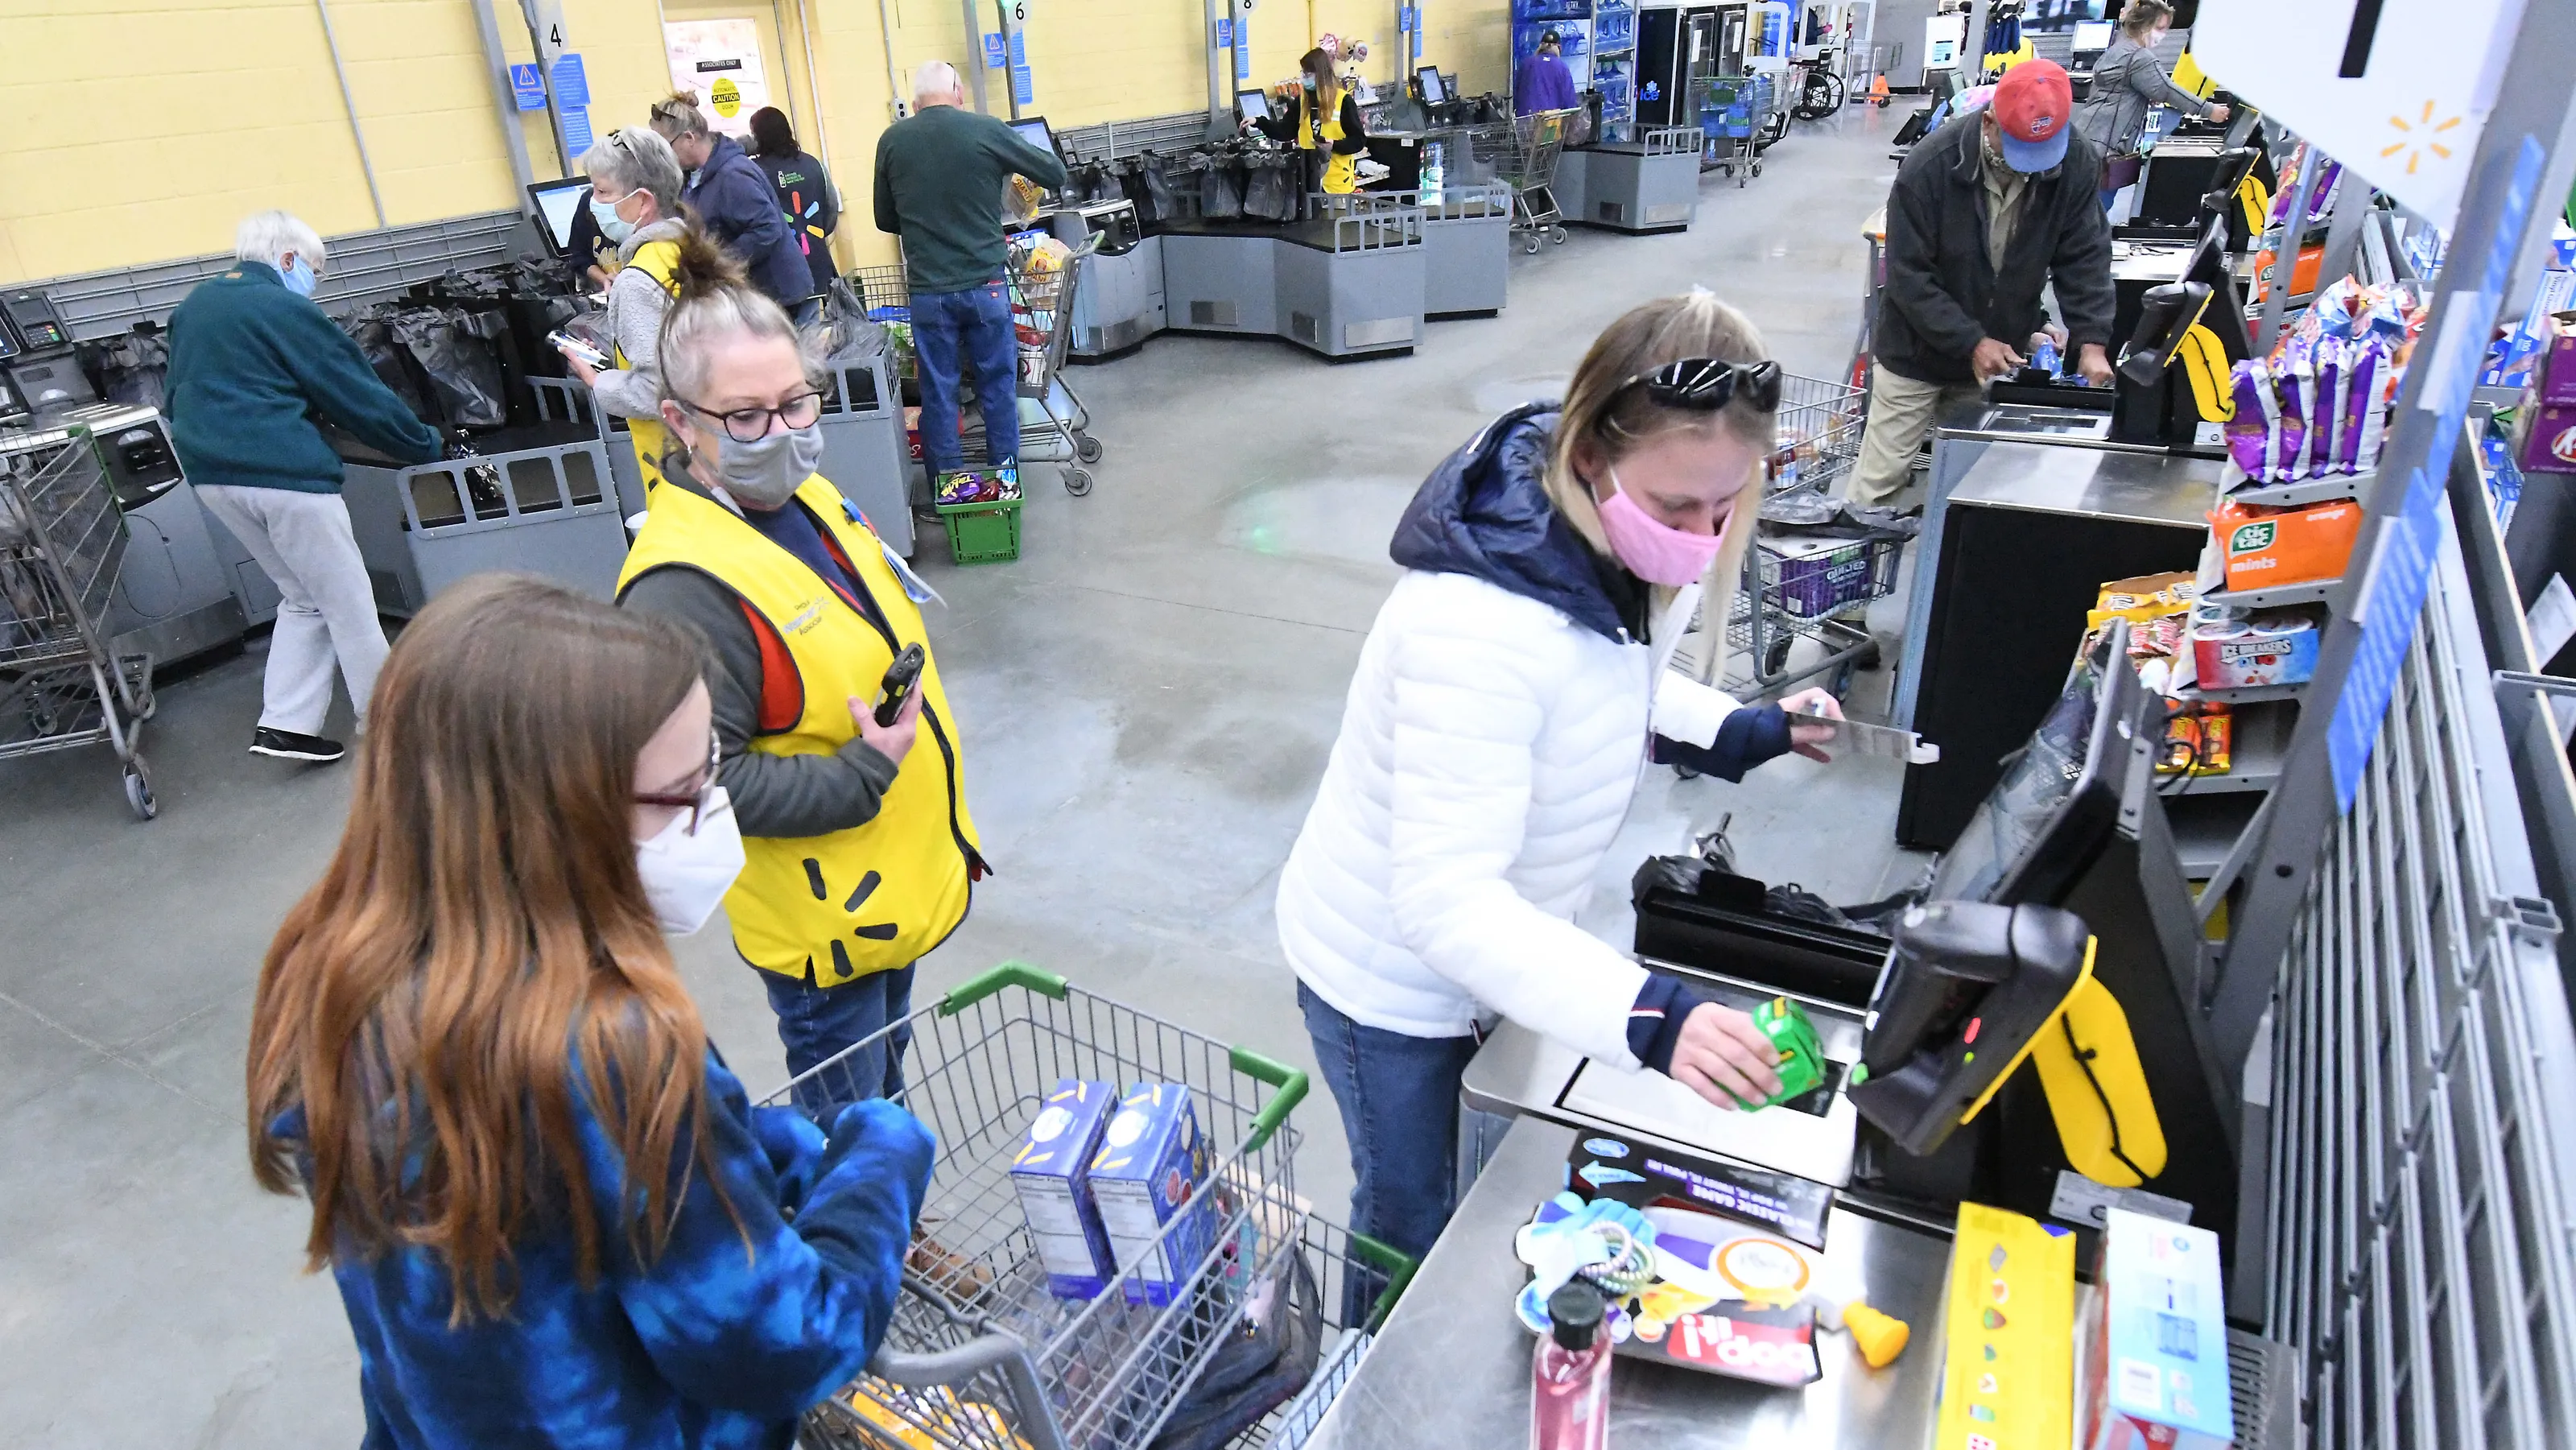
(62, 544)
(1522, 154)
(979, 1355)
(1042, 308)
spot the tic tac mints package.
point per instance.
(1051, 1173)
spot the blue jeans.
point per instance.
(1399, 1101)
(949, 330)
(821, 1025)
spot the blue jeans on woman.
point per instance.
(949, 331)
(1398, 1097)
(820, 1024)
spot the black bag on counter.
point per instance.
(1154, 172)
(372, 329)
(1220, 188)
(454, 352)
(1268, 193)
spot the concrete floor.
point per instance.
(1147, 698)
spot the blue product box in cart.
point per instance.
(2156, 1374)
(1145, 1175)
(1051, 1173)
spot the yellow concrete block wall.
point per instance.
(416, 76)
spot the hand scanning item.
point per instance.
(1724, 1058)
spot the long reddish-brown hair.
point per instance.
(482, 927)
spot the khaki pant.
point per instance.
(1901, 411)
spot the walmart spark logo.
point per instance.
(2419, 136)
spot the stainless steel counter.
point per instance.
(1451, 1367)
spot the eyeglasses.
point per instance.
(750, 425)
(1707, 384)
(694, 799)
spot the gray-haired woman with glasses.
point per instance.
(860, 850)
(635, 188)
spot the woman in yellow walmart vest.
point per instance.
(635, 185)
(1324, 118)
(860, 854)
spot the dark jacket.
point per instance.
(939, 186)
(760, 1305)
(2126, 81)
(1943, 296)
(812, 207)
(1484, 512)
(252, 366)
(735, 201)
(773, 795)
(1284, 129)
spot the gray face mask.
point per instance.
(766, 472)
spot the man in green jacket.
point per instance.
(252, 364)
(939, 186)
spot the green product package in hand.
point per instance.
(1802, 1057)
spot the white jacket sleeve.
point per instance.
(1690, 712)
(1467, 711)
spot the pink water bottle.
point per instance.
(1570, 1374)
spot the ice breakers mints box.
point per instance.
(1148, 1167)
(2157, 1372)
(1052, 1174)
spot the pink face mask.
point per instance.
(1657, 552)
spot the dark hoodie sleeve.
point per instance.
(1655, 1022)
(1748, 737)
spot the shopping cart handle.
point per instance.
(994, 1352)
(1395, 1263)
(1290, 1081)
(1008, 974)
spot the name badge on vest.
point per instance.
(915, 588)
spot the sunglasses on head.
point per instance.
(1707, 384)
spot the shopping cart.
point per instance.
(979, 1355)
(1042, 293)
(62, 541)
(1796, 585)
(1057, 430)
(1522, 153)
(1731, 116)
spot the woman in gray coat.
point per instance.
(2126, 81)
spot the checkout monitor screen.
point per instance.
(2041, 826)
(1036, 131)
(1252, 105)
(2093, 35)
(558, 202)
(1433, 92)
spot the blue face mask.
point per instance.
(298, 277)
(612, 226)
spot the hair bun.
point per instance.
(704, 266)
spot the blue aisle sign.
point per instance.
(528, 86)
(1225, 32)
(2391, 598)
(1023, 86)
(994, 56)
(572, 85)
(1243, 57)
(576, 130)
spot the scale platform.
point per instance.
(1518, 1071)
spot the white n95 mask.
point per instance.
(686, 876)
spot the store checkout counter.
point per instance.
(1649, 184)
(2063, 894)
(2038, 494)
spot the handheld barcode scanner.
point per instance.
(1972, 990)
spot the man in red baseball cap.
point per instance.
(1986, 214)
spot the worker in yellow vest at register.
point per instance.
(635, 185)
(860, 854)
(1324, 118)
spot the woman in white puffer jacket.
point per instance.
(1497, 727)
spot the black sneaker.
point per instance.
(287, 745)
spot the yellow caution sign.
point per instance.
(726, 97)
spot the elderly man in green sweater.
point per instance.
(252, 364)
(939, 187)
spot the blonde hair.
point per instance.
(1616, 420)
(2144, 15)
(677, 115)
(712, 302)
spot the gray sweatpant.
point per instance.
(329, 607)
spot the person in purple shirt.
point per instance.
(1544, 84)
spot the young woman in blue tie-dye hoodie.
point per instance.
(554, 1218)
